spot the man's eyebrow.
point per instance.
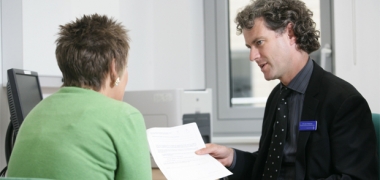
(257, 39)
(254, 41)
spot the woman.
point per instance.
(85, 131)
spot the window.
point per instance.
(239, 88)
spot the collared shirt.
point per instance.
(298, 84)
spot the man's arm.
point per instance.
(243, 160)
(353, 141)
(223, 154)
(244, 165)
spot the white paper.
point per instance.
(173, 150)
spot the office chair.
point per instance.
(376, 123)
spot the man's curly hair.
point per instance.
(86, 48)
(277, 14)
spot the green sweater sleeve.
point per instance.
(133, 153)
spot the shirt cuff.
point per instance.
(233, 162)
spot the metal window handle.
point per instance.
(325, 52)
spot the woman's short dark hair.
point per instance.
(86, 48)
(277, 15)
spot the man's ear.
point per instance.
(290, 33)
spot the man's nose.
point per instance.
(254, 54)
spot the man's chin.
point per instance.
(268, 78)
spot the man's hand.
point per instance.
(223, 154)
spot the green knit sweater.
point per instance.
(81, 134)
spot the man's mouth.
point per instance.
(262, 65)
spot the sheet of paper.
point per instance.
(173, 150)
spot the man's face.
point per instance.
(270, 50)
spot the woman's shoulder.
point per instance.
(98, 104)
(117, 105)
(120, 110)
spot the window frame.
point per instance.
(229, 120)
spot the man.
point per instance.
(328, 130)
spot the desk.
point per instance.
(157, 174)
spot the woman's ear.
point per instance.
(113, 73)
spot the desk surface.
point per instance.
(157, 174)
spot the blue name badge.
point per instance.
(308, 126)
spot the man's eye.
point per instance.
(259, 42)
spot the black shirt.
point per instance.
(298, 84)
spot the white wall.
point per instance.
(357, 49)
(40, 20)
(167, 38)
(167, 48)
(3, 126)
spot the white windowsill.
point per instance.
(236, 140)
